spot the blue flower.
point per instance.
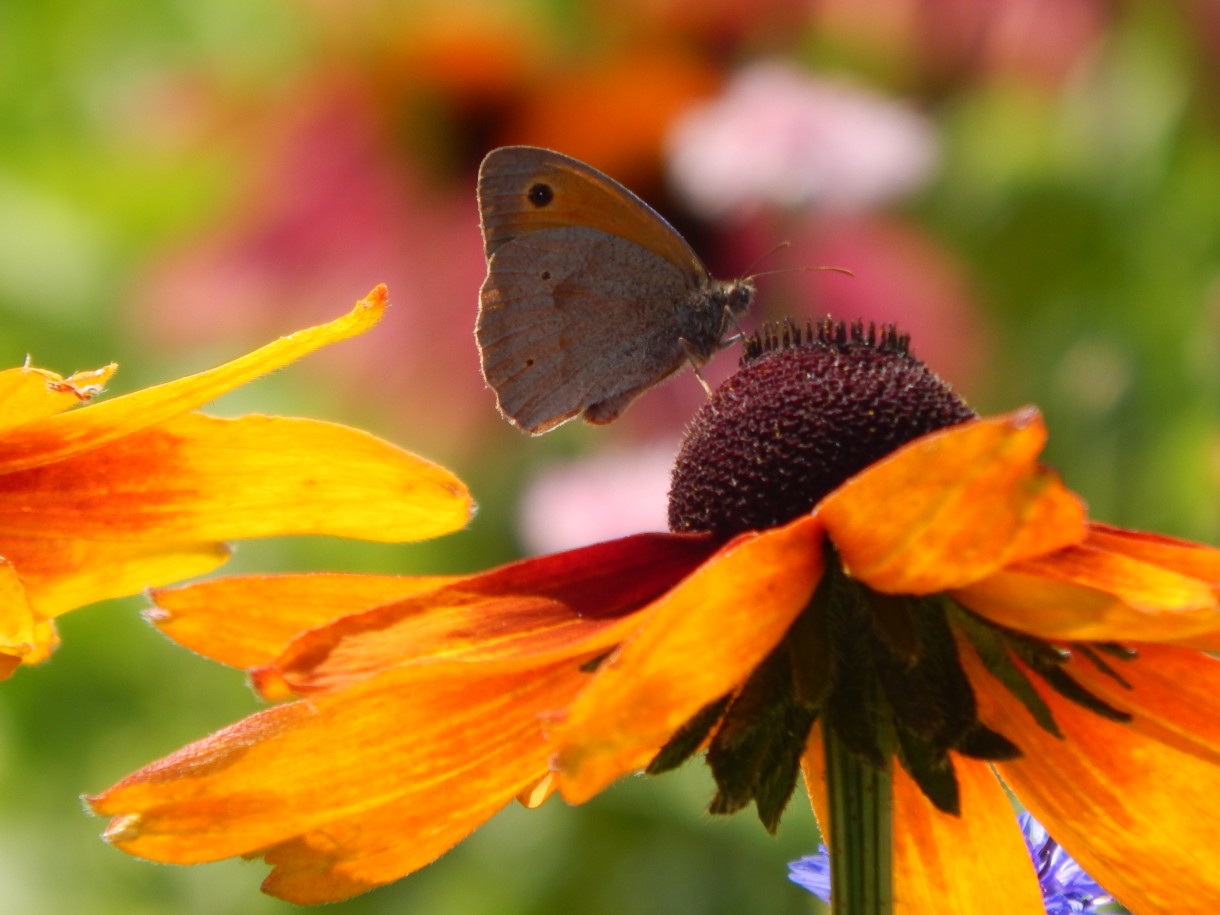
(1066, 888)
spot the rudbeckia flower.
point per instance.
(859, 571)
(136, 491)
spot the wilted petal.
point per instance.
(199, 477)
(695, 644)
(1136, 814)
(60, 436)
(28, 394)
(546, 606)
(1086, 593)
(349, 791)
(61, 575)
(952, 507)
(226, 619)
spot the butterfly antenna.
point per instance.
(762, 257)
(842, 270)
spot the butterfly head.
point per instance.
(737, 296)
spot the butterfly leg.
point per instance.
(696, 359)
(730, 318)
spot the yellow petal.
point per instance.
(61, 575)
(1083, 593)
(695, 644)
(198, 477)
(57, 437)
(17, 619)
(952, 507)
(1139, 816)
(348, 791)
(28, 394)
(246, 621)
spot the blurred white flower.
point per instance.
(597, 498)
(782, 136)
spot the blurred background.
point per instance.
(1031, 188)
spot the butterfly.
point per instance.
(591, 297)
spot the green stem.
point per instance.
(861, 831)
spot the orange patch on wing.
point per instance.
(952, 507)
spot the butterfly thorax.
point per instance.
(711, 315)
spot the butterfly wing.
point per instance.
(524, 189)
(573, 319)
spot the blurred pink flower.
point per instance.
(610, 495)
(781, 136)
(331, 206)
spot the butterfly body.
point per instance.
(591, 297)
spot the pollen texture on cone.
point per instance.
(808, 408)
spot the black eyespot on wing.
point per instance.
(541, 194)
(546, 274)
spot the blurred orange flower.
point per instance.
(137, 491)
(1006, 633)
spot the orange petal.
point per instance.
(1085, 593)
(17, 621)
(930, 872)
(28, 394)
(350, 791)
(1172, 693)
(246, 621)
(198, 477)
(61, 575)
(1139, 816)
(952, 507)
(581, 600)
(932, 869)
(694, 645)
(60, 436)
(1192, 559)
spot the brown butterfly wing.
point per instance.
(573, 320)
(524, 189)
